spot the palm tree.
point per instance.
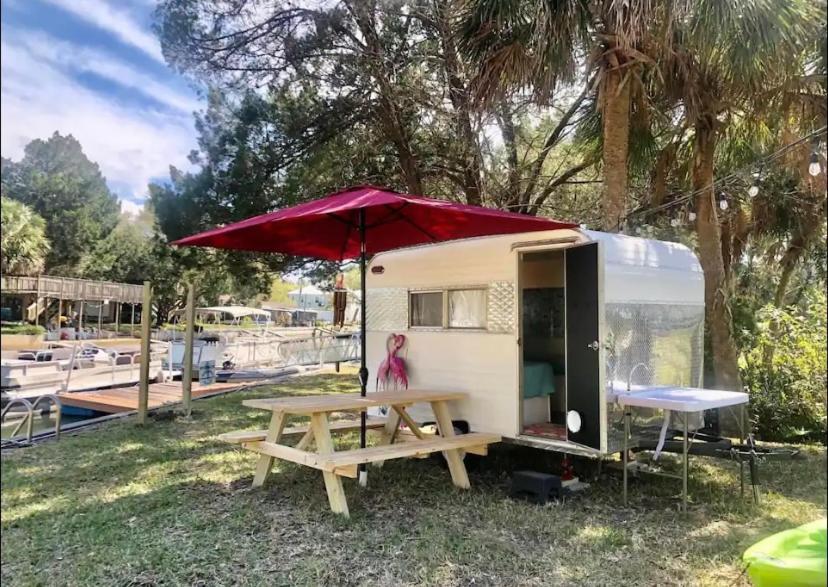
(725, 59)
(541, 45)
(23, 245)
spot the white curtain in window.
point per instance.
(427, 309)
(467, 308)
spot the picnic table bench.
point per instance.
(337, 464)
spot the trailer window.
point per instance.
(426, 309)
(467, 308)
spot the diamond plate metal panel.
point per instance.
(668, 339)
(386, 309)
(501, 307)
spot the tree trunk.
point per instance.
(661, 172)
(741, 231)
(716, 294)
(459, 96)
(615, 116)
(813, 193)
(801, 241)
(514, 200)
(391, 119)
(726, 230)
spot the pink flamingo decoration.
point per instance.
(391, 373)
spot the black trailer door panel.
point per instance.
(583, 346)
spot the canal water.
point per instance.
(42, 423)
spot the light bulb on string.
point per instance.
(674, 222)
(723, 201)
(691, 216)
(753, 190)
(814, 168)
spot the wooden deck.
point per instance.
(125, 399)
(70, 288)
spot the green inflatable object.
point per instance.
(793, 558)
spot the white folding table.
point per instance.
(685, 400)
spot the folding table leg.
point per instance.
(457, 467)
(685, 467)
(274, 433)
(324, 446)
(624, 453)
(741, 444)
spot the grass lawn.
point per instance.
(168, 504)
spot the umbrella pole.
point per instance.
(363, 369)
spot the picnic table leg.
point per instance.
(459, 476)
(412, 425)
(306, 440)
(392, 427)
(274, 433)
(324, 446)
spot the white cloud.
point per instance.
(116, 22)
(69, 56)
(132, 208)
(132, 144)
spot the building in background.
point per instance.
(310, 297)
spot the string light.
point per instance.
(723, 201)
(814, 168)
(681, 198)
(753, 190)
(674, 222)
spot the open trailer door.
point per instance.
(583, 346)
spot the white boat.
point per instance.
(73, 367)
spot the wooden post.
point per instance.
(132, 320)
(37, 301)
(143, 385)
(117, 319)
(187, 363)
(60, 306)
(82, 296)
(100, 317)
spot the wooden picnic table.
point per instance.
(337, 464)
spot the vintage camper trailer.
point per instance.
(541, 327)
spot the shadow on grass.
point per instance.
(169, 504)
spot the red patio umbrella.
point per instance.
(361, 221)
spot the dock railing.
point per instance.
(28, 418)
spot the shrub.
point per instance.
(785, 372)
(21, 329)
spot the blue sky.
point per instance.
(93, 68)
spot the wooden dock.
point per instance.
(125, 399)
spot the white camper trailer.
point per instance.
(538, 326)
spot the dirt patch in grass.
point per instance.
(168, 504)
